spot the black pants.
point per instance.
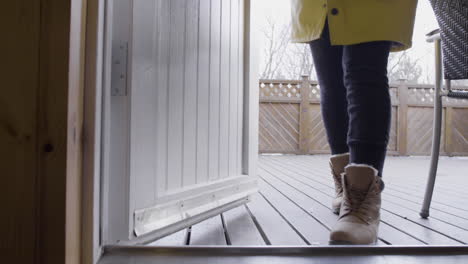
(355, 98)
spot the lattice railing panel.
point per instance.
(420, 130)
(459, 130)
(279, 127)
(420, 95)
(317, 135)
(280, 89)
(314, 94)
(280, 117)
(425, 95)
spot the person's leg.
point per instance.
(369, 105)
(333, 102)
(328, 65)
(369, 109)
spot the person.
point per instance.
(350, 43)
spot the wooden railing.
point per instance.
(291, 122)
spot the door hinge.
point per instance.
(119, 70)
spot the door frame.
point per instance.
(91, 247)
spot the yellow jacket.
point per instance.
(355, 21)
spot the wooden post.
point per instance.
(304, 116)
(448, 130)
(402, 122)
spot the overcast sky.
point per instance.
(425, 22)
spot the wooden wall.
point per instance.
(40, 133)
(18, 123)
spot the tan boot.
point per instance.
(360, 211)
(337, 165)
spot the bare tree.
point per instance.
(277, 37)
(298, 61)
(281, 58)
(285, 60)
(403, 66)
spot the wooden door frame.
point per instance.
(251, 92)
(40, 135)
(91, 248)
(57, 135)
(59, 131)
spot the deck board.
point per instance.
(414, 192)
(390, 213)
(241, 228)
(293, 205)
(312, 230)
(208, 232)
(322, 210)
(276, 229)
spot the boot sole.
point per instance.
(339, 242)
(336, 211)
(347, 243)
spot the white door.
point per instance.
(180, 119)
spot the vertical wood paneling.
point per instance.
(179, 123)
(175, 98)
(143, 97)
(59, 108)
(186, 95)
(233, 89)
(203, 91)
(190, 94)
(162, 85)
(224, 102)
(240, 78)
(215, 56)
(20, 152)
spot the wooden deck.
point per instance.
(293, 206)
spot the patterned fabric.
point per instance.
(452, 16)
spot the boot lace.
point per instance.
(354, 198)
(357, 202)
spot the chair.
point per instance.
(451, 41)
(451, 46)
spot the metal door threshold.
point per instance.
(285, 254)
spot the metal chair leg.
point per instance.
(436, 133)
(434, 160)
